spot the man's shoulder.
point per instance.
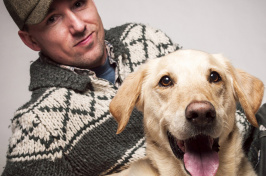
(121, 28)
(45, 75)
(42, 96)
(134, 43)
(127, 28)
(140, 37)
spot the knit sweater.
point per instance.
(66, 127)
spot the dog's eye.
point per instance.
(214, 77)
(165, 81)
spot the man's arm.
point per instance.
(261, 118)
(33, 150)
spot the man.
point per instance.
(66, 127)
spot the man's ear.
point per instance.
(28, 40)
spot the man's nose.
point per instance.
(76, 25)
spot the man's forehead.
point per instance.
(54, 4)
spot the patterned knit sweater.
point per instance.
(66, 127)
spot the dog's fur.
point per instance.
(164, 107)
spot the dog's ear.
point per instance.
(127, 96)
(249, 92)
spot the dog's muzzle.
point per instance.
(200, 152)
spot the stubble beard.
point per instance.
(94, 59)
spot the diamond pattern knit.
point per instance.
(66, 127)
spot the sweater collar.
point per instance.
(77, 70)
(44, 75)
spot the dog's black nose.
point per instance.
(200, 113)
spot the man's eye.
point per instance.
(51, 20)
(78, 4)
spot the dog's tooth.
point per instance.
(211, 141)
(181, 145)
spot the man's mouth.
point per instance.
(84, 41)
(199, 154)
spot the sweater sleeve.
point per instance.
(64, 132)
(33, 150)
(253, 139)
(37, 168)
(261, 117)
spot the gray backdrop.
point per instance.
(236, 28)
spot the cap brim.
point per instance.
(39, 12)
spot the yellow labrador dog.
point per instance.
(188, 99)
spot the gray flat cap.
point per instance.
(27, 11)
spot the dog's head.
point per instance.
(188, 95)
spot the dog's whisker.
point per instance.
(226, 125)
(163, 126)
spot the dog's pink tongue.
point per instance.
(200, 159)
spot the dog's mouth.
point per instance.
(199, 154)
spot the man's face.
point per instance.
(72, 34)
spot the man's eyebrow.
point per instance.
(50, 10)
